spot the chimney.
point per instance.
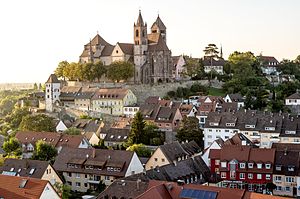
(138, 184)
(93, 152)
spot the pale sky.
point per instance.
(35, 35)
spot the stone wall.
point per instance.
(142, 91)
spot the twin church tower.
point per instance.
(149, 53)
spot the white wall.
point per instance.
(61, 127)
(135, 165)
(49, 192)
(205, 155)
(211, 134)
(292, 101)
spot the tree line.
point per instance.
(116, 71)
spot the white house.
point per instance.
(52, 92)
(293, 100)
(130, 110)
(268, 64)
(238, 98)
(61, 127)
(216, 65)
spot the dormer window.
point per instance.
(278, 167)
(214, 124)
(230, 124)
(259, 165)
(250, 165)
(268, 166)
(249, 126)
(290, 132)
(223, 164)
(291, 168)
(270, 128)
(242, 165)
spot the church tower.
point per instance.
(159, 27)
(140, 47)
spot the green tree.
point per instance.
(72, 131)
(44, 151)
(189, 130)
(61, 70)
(98, 70)
(140, 150)
(137, 129)
(37, 123)
(120, 71)
(63, 190)
(15, 118)
(35, 86)
(212, 52)
(12, 147)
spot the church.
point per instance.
(149, 52)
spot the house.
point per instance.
(262, 128)
(190, 170)
(83, 169)
(188, 110)
(212, 64)
(268, 64)
(131, 110)
(23, 187)
(68, 94)
(172, 153)
(243, 167)
(286, 172)
(179, 70)
(216, 144)
(293, 100)
(30, 168)
(61, 125)
(164, 113)
(290, 130)
(238, 98)
(83, 98)
(59, 141)
(112, 100)
(116, 136)
(90, 129)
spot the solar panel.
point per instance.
(198, 194)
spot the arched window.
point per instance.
(137, 33)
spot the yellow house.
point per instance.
(112, 100)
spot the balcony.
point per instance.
(94, 180)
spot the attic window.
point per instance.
(61, 140)
(290, 132)
(66, 140)
(291, 168)
(270, 128)
(44, 139)
(117, 51)
(119, 137)
(23, 183)
(31, 171)
(125, 137)
(19, 170)
(112, 136)
(278, 167)
(12, 169)
(230, 124)
(248, 126)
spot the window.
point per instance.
(242, 175)
(278, 188)
(250, 175)
(69, 183)
(78, 184)
(209, 136)
(259, 176)
(70, 174)
(291, 168)
(85, 184)
(106, 178)
(289, 179)
(86, 176)
(287, 189)
(268, 166)
(77, 175)
(278, 167)
(223, 164)
(223, 174)
(268, 177)
(155, 159)
(163, 159)
(250, 165)
(259, 165)
(277, 178)
(217, 162)
(242, 165)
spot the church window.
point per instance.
(117, 51)
(137, 33)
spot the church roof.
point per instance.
(126, 48)
(98, 40)
(159, 46)
(107, 50)
(53, 79)
(140, 21)
(159, 24)
(153, 37)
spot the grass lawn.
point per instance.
(216, 92)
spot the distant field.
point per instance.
(216, 92)
(16, 86)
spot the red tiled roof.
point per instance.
(214, 153)
(9, 187)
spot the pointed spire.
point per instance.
(140, 21)
(221, 51)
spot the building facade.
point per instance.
(52, 92)
(149, 53)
